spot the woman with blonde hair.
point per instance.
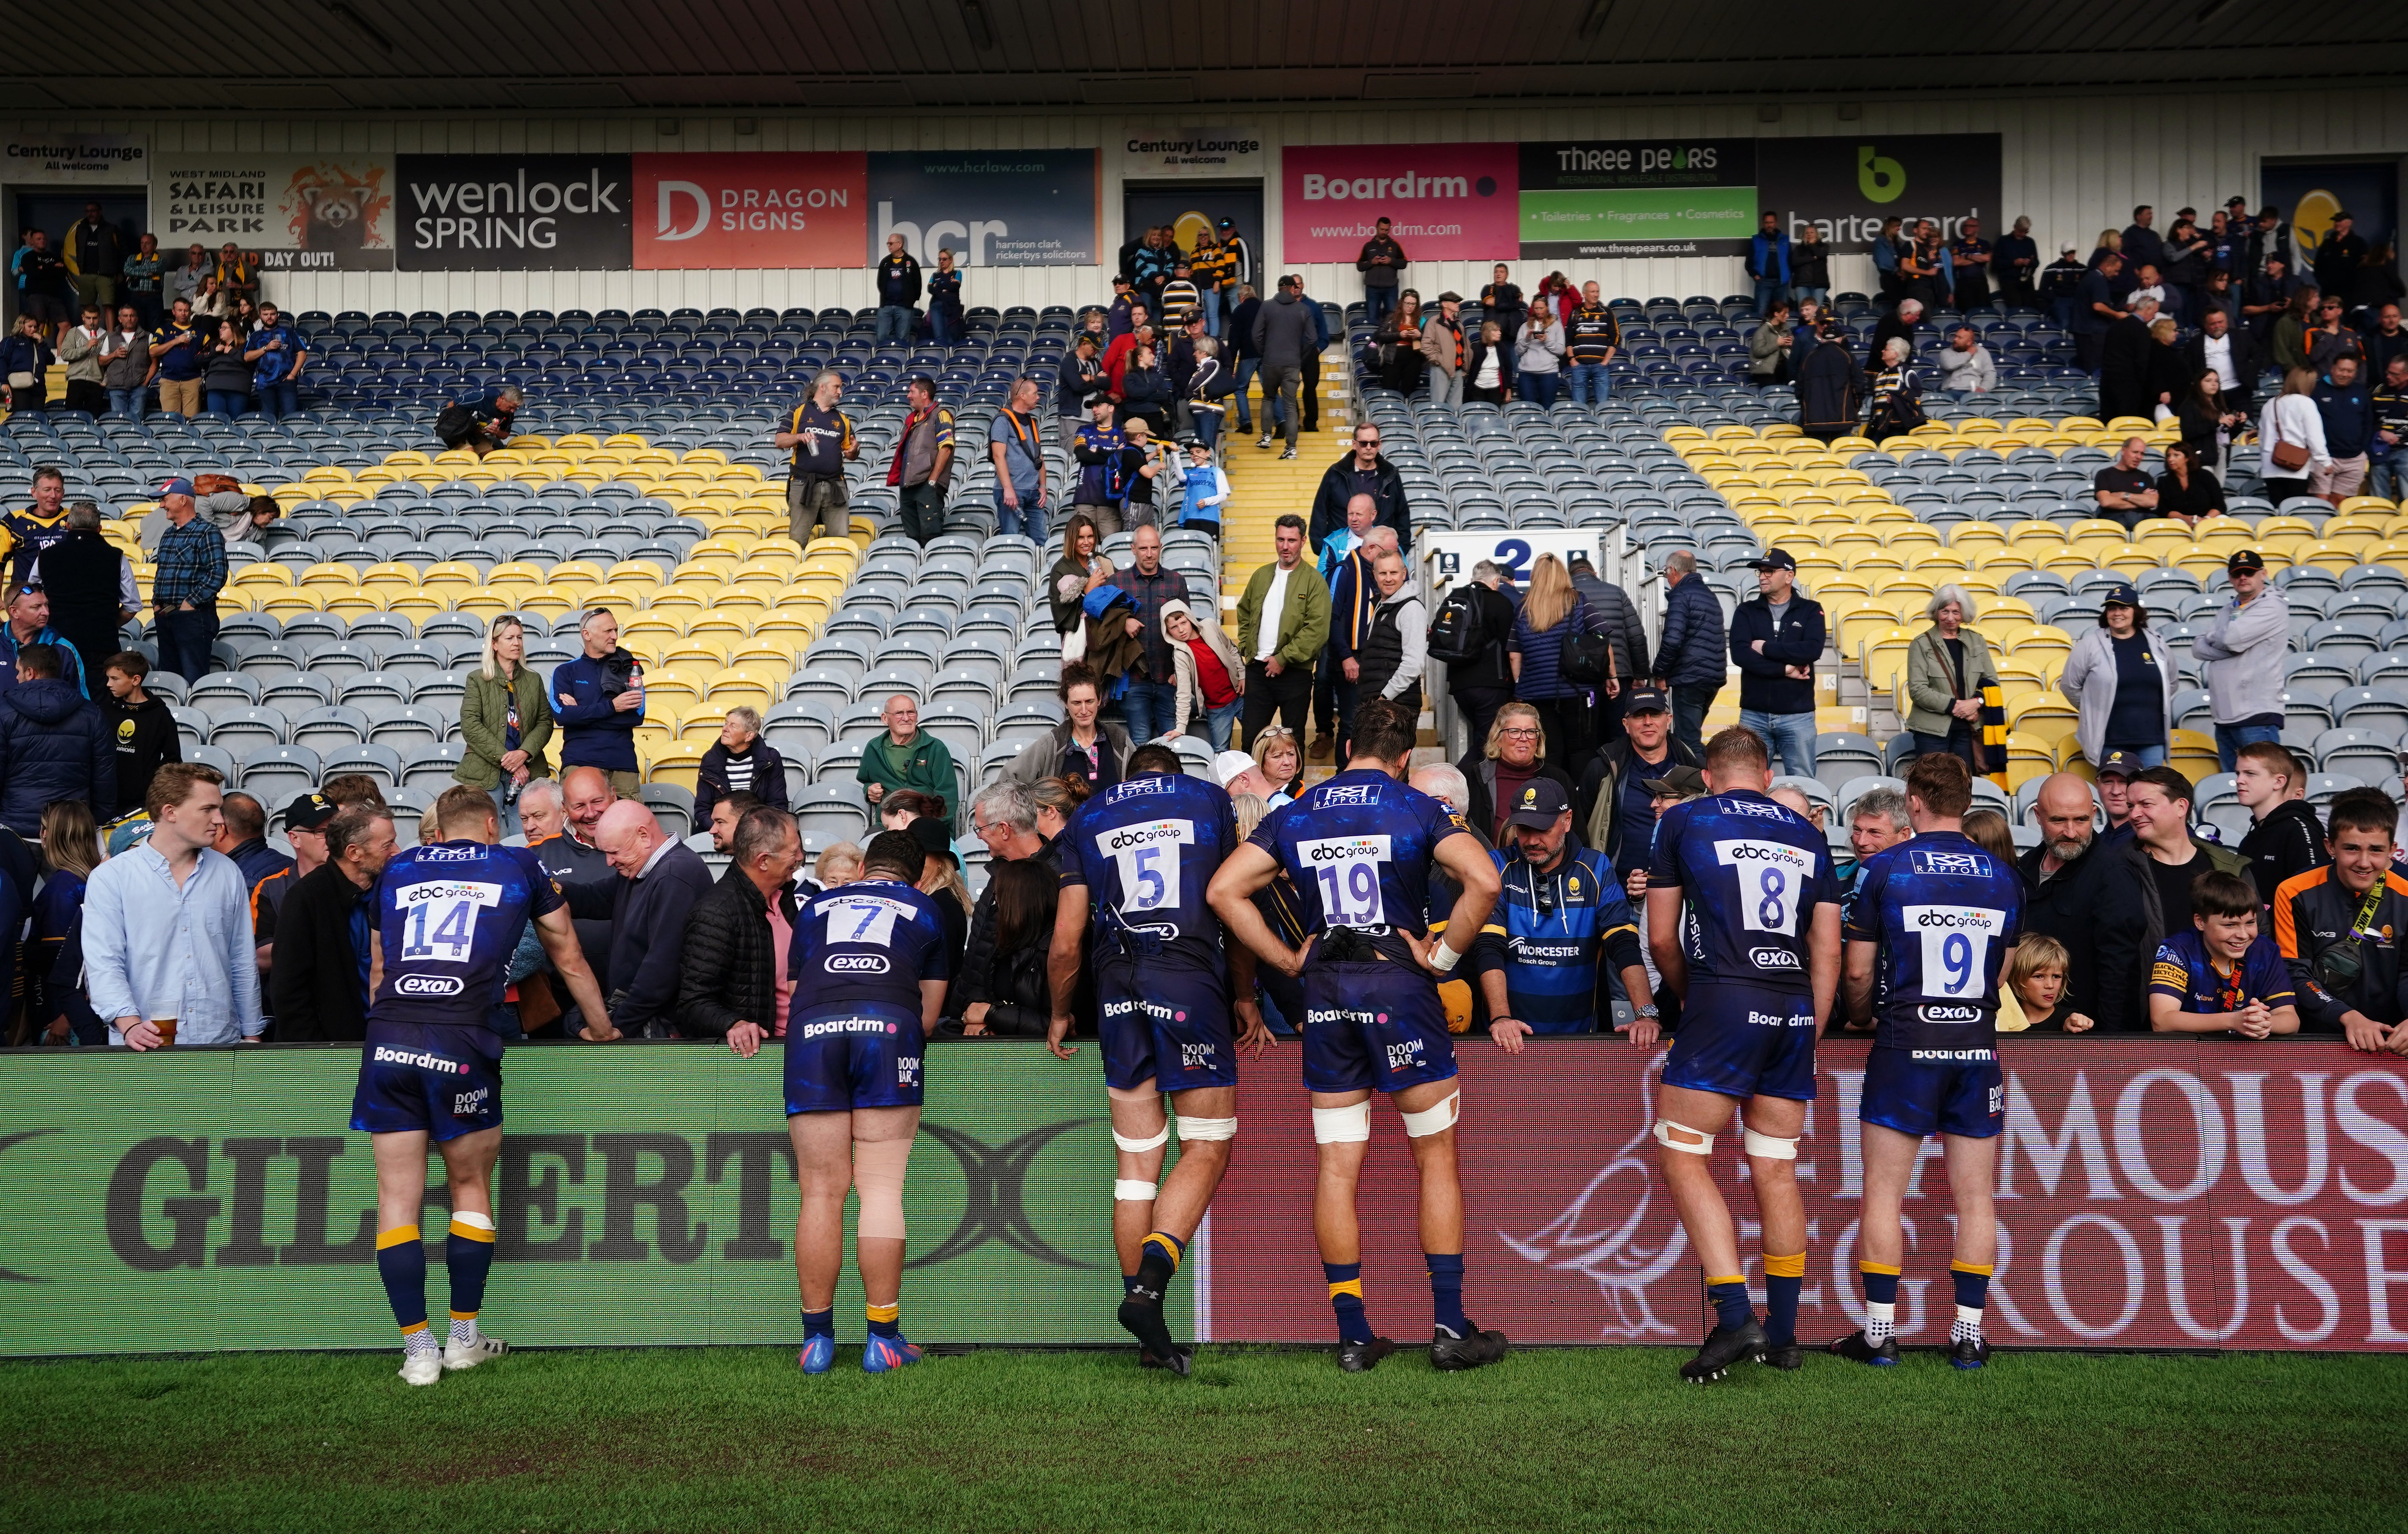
(505, 722)
(56, 1003)
(1945, 672)
(1280, 756)
(1496, 773)
(840, 863)
(1057, 800)
(1552, 612)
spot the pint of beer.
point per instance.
(166, 1027)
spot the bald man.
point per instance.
(655, 883)
(2104, 941)
(568, 852)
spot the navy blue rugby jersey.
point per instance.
(870, 942)
(1751, 871)
(450, 916)
(1945, 913)
(1146, 850)
(1360, 847)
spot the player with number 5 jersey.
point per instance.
(1136, 860)
(1936, 918)
(1744, 919)
(1359, 848)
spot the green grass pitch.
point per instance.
(1257, 1439)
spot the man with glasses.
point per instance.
(1362, 472)
(1560, 913)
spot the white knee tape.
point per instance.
(878, 1169)
(1343, 1126)
(1771, 1147)
(1207, 1129)
(1429, 1121)
(1132, 1190)
(1664, 1127)
(1139, 1147)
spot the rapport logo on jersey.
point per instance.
(1347, 794)
(387, 1056)
(1761, 809)
(1132, 788)
(427, 986)
(449, 854)
(1955, 865)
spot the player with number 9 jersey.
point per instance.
(1144, 851)
(859, 955)
(449, 918)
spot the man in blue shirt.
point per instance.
(276, 354)
(1935, 920)
(1359, 848)
(598, 699)
(1744, 919)
(1559, 914)
(449, 918)
(871, 956)
(1136, 860)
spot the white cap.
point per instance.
(1229, 764)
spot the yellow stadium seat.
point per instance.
(389, 574)
(2029, 756)
(2192, 754)
(1884, 657)
(699, 728)
(552, 601)
(353, 604)
(450, 574)
(576, 569)
(2045, 716)
(632, 573)
(291, 604)
(417, 605)
(699, 658)
(651, 633)
(330, 576)
(485, 604)
(263, 575)
(669, 693)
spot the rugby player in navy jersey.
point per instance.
(1935, 921)
(1744, 919)
(1359, 848)
(1136, 860)
(870, 958)
(449, 916)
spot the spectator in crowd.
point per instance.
(1081, 381)
(1447, 351)
(940, 872)
(1878, 820)
(482, 425)
(505, 722)
(2387, 337)
(1830, 388)
(89, 590)
(2124, 491)
(2063, 905)
(2285, 837)
(2294, 332)
(1003, 992)
(1929, 268)
(730, 960)
(1143, 460)
(1768, 347)
(1883, 250)
(1116, 355)
(2225, 977)
(1100, 448)
(598, 701)
(1145, 391)
(543, 813)
(740, 762)
(143, 277)
(2120, 678)
(2117, 771)
(29, 623)
(1481, 679)
(1362, 472)
(924, 461)
(242, 836)
(1382, 261)
(225, 378)
(125, 364)
(2291, 447)
(326, 933)
(2094, 307)
(1592, 337)
(1506, 761)
(44, 286)
(1283, 619)
(1209, 676)
(2232, 354)
(26, 359)
(2124, 361)
(898, 809)
(2346, 405)
(1242, 778)
(729, 810)
(2207, 418)
(1966, 366)
(1203, 489)
(1182, 299)
(2330, 924)
(166, 927)
(24, 535)
(1018, 450)
(1810, 264)
(306, 820)
(141, 727)
(2143, 246)
(945, 313)
(905, 756)
(1620, 813)
(1767, 263)
(562, 821)
(80, 346)
(237, 274)
(1946, 673)
(1551, 613)
(1149, 701)
(2152, 287)
(898, 292)
(1894, 405)
(1501, 301)
(1559, 929)
(1390, 660)
(189, 279)
(2388, 458)
(1776, 639)
(1346, 567)
(1242, 354)
(276, 355)
(1691, 662)
(1488, 367)
(1083, 748)
(2015, 264)
(53, 744)
(2186, 492)
(1538, 358)
(2244, 649)
(1079, 571)
(2338, 255)
(2152, 871)
(1620, 622)
(2168, 381)
(1898, 325)
(659, 881)
(1285, 331)
(54, 963)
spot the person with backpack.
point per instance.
(1775, 639)
(1467, 634)
(1558, 651)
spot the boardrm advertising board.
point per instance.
(999, 207)
(1448, 202)
(516, 212)
(1633, 197)
(2153, 1193)
(750, 212)
(1849, 184)
(301, 212)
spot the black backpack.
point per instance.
(1586, 660)
(1454, 635)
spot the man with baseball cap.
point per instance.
(1560, 913)
(1775, 639)
(2244, 649)
(2117, 771)
(305, 827)
(1237, 772)
(1617, 808)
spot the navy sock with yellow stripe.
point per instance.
(885, 1320)
(1346, 1298)
(468, 1257)
(401, 1264)
(1732, 1308)
(1784, 1278)
(1157, 1260)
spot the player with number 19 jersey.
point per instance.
(1944, 913)
(1751, 872)
(449, 917)
(1146, 850)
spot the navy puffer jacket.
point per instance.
(1694, 650)
(53, 745)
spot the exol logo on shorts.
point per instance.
(1773, 958)
(470, 1104)
(427, 986)
(857, 964)
(1950, 1014)
(387, 1056)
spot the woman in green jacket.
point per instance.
(1946, 673)
(505, 722)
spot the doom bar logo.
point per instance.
(2151, 1194)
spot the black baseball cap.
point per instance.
(1774, 559)
(2244, 559)
(309, 812)
(2121, 593)
(2236, 200)
(1540, 805)
(2122, 764)
(1229, 223)
(1646, 700)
